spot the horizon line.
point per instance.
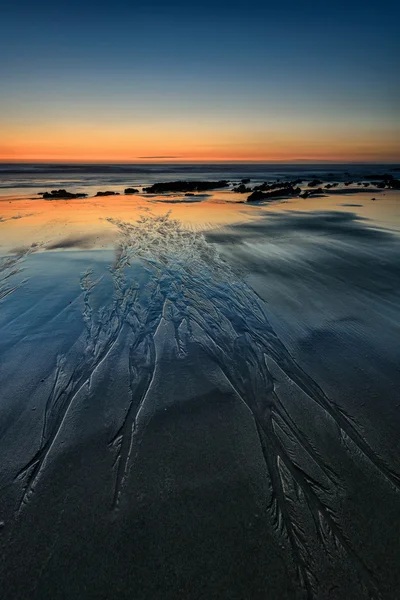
(140, 160)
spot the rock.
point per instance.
(131, 191)
(315, 182)
(309, 193)
(394, 184)
(185, 186)
(267, 187)
(246, 180)
(108, 193)
(271, 195)
(61, 195)
(241, 189)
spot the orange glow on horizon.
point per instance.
(179, 142)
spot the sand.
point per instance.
(202, 404)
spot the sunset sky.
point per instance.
(129, 81)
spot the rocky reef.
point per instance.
(108, 193)
(284, 191)
(61, 195)
(185, 186)
(313, 192)
(242, 189)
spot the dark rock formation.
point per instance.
(241, 189)
(394, 184)
(246, 180)
(185, 186)
(309, 193)
(314, 183)
(131, 191)
(272, 195)
(108, 193)
(390, 184)
(267, 187)
(61, 195)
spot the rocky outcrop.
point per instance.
(242, 189)
(61, 195)
(315, 182)
(267, 187)
(108, 193)
(283, 192)
(130, 190)
(185, 186)
(309, 193)
(394, 184)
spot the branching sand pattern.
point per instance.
(190, 287)
(11, 266)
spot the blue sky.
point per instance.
(240, 71)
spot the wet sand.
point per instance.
(203, 404)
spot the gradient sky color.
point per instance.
(125, 81)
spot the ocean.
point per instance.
(30, 178)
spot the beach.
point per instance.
(199, 393)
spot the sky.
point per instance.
(129, 81)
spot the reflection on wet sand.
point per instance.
(51, 220)
(30, 220)
(182, 374)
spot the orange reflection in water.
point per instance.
(83, 223)
(24, 221)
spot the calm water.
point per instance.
(33, 178)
